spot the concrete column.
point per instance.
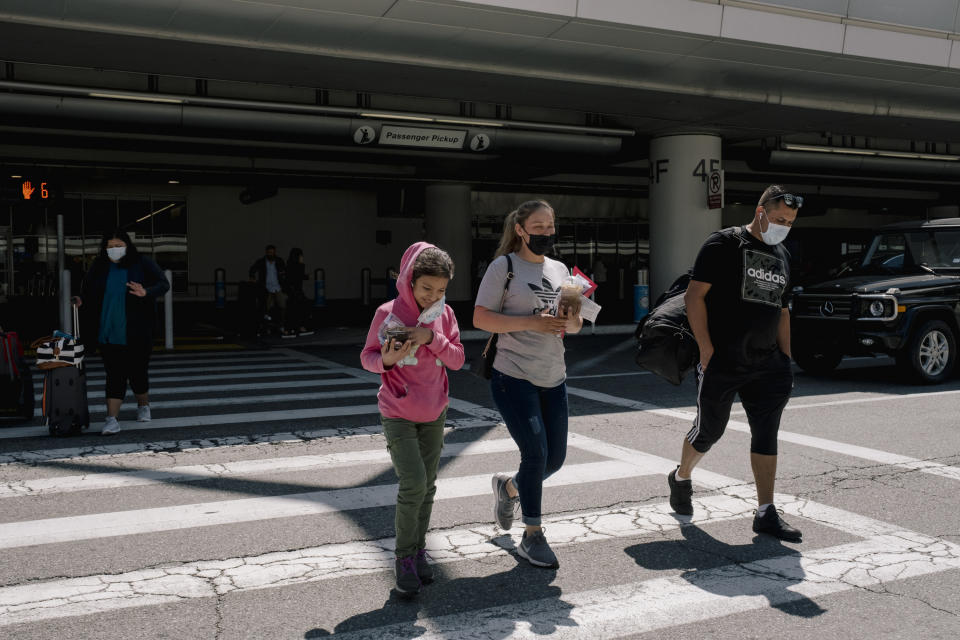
(448, 225)
(679, 218)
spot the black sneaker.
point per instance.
(681, 492)
(408, 582)
(771, 522)
(504, 507)
(424, 570)
(536, 551)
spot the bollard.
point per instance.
(319, 288)
(219, 287)
(641, 296)
(66, 304)
(365, 286)
(168, 312)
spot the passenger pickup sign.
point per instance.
(416, 137)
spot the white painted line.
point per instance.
(251, 386)
(855, 451)
(137, 521)
(888, 554)
(272, 359)
(610, 375)
(193, 356)
(247, 399)
(108, 479)
(883, 398)
(595, 359)
(233, 376)
(209, 420)
(663, 603)
(95, 374)
(287, 438)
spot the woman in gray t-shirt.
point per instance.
(528, 383)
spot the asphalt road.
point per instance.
(258, 504)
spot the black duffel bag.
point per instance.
(665, 342)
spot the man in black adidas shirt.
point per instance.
(737, 307)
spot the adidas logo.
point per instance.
(546, 294)
(768, 276)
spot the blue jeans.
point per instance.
(537, 420)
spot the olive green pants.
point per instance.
(415, 450)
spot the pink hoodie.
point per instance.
(417, 392)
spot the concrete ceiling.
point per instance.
(648, 80)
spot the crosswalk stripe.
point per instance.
(288, 438)
(854, 451)
(122, 523)
(886, 553)
(256, 386)
(101, 381)
(77, 596)
(215, 419)
(248, 399)
(662, 603)
(96, 373)
(108, 479)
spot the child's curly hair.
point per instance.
(432, 262)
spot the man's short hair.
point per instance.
(269, 246)
(771, 192)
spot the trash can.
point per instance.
(641, 296)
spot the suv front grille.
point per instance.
(827, 307)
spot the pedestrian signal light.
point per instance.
(31, 191)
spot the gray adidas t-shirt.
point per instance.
(530, 355)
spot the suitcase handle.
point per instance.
(76, 321)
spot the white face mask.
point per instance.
(775, 233)
(432, 312)
(116, 253)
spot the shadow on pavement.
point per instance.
(523, 585)
(699, 555)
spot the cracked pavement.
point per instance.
(881, 547)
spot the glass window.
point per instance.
(135, 219)
(99, 217)
(169, 218)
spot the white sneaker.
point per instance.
(110, 427)
(143, 413)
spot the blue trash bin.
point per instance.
(641, 301)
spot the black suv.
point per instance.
(902, 299)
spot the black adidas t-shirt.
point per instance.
(750, 284)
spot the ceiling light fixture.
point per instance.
(135, 97)
(878, 153)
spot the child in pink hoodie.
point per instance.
(411, 342)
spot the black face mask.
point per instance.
(541, 244)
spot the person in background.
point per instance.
(118, 303)
(270, 272)
(529, 372)
(414, 395)
(296, 300)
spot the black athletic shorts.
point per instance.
(764, 391)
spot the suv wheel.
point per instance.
(930, 355)
(817, 361)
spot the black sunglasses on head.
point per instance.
(792, 201)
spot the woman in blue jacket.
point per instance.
(119, 296)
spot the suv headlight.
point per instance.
(876, 308)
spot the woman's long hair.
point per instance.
(510, 241)
(132, 257)
(294, 257)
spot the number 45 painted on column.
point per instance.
(700, 171)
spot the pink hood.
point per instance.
(416, 392)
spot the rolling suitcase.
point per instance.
(64, 402)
